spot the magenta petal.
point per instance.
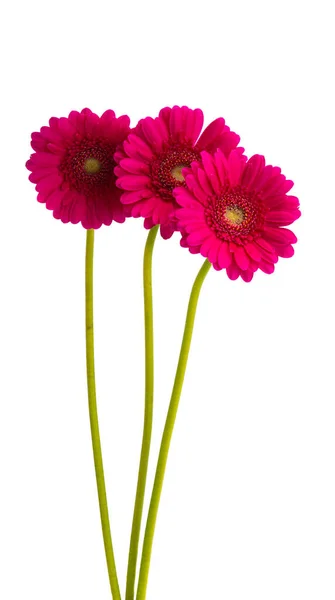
(148, 224)
(53, 122)
(185, 198)
(210, 169)
(133, 182)
(195, 227)
(198, 192)
(227, 141)
(284, 251)
(193, 124)
(251, 170)
(194, 250)
(282, 217)
(224, 256)
(162, 129)
(152, 133)
(135, 196)
(281, 235)
(212, 131)
(274, 200)
(68, 197)
(204, 182)
(77, 211)
(44, 160)
(51, 135)
(273, 186)
(241, 258)
(140, 209)
(92, 129)
(53, 200)
(247, 276)
(264, 245)
(286, 203)
(198, 121)
(36, 176)
(56, 149)
(192, 214)
(253, 251)
(139, 145)
(109, 115)
(176, 122)
(166, 230)
(262, 178)
(266, 267)
(233, 271)
(212, 254)
(197, 237)
(134, 166)
(164, 115)
(288, 185)
(221, 167)
(66, 128)
(206, 246)
(49, 183)
(37, 142)
(235, 167)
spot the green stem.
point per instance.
(168, 430)
(148, 409)
(92, 405)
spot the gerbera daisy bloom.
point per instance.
(152, 158)
(73, 167)
(234, 212)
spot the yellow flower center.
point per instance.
(234, 215)
(92, 165)
(176, 172)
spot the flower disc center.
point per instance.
(166, 169)
(88, 166)
(92, 165)
(176, 172)
(234, 214)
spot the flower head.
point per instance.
(152, 159)
(73, 167)
(234, 212)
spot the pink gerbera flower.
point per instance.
(73, 167)
(152, 158)
(233, 213)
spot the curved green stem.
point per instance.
(168, 430)
(92, 404)
(148, 409)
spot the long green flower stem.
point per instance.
(168, 430)
(92, 404)
(148, 409)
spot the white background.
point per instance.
(247, 508)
